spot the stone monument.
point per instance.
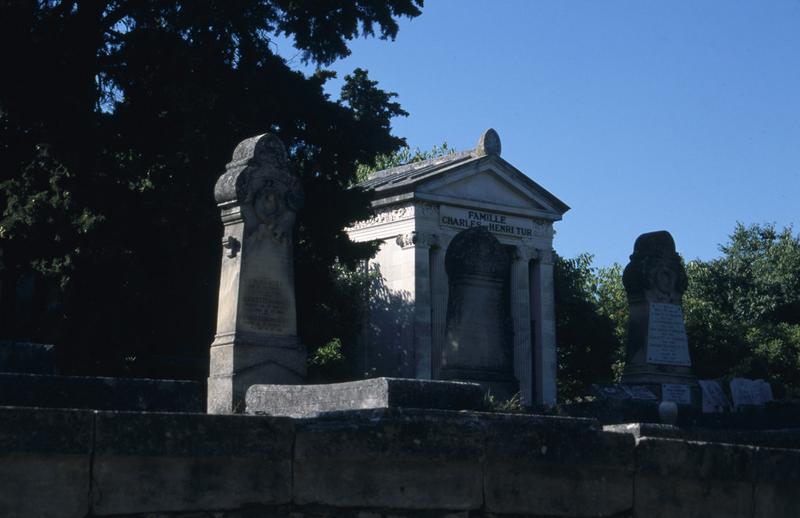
(256, 339)
(657, 352)
(478, 326)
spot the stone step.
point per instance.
(27, 357)
(378, 393)
(98, 393)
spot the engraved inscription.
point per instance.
(265, 305)
(666, 336)
(676, 392)
(638, 392)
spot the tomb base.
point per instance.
(236, 364)
(379, 393)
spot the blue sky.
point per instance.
(640, 115)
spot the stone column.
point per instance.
(256, 340)
(422, 243)
(545, 360)
(521, 317)
(438, 306)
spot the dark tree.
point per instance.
(116, 118)
(585, 334)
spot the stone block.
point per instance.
(693, 479)
(552, 466)
(311, 400)
(777, 481)
(52, 391)
(787, 438)
(390, 459)
(190, 462)
(27, 357)
(44, 462)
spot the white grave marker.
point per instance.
(714, 399)
(750, 392)
(666, 336)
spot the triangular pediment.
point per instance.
(492, 181)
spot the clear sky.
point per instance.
(640, 115)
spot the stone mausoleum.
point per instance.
(419, 209)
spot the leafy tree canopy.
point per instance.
(116, 118)
(742, 313)
(402, 156)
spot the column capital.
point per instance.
(524, 253)
(417, 239)
(545, 256)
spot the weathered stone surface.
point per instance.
(657, 351)
(714, 398)
(396, 459)
(551, 466)
(688, 479)
(747, 392)
(788, 438)
(256, 335)
(489, 143)
(190, 462)
(27, 357)
(310, 400)
(777, 480)
(44, 462)
(478, 328)
(53, 391)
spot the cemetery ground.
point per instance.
(257, 441)
(198, 274)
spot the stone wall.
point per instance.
(374, 464)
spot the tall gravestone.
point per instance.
(657, 352)
(477, 330)
(256, 339)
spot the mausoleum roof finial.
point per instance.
(489, 143)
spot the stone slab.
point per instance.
(550, 466)
(390, 458)
(190, 462)
(667, 343)
(786, 438)
(714, 398)
(677, 393)
(51, 391)
(746, 392)
(27, 357)
(377, 393)
(693, 479)
(44, 462)
(777, 481)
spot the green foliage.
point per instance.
(585, 333)
(402, 156)
(338, 324)
(612, 303)
(328, 353)
(742, 313)
(513, 405)
(743, 310)
(328, 363)
(140, 105)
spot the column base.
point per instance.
(238, 363)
